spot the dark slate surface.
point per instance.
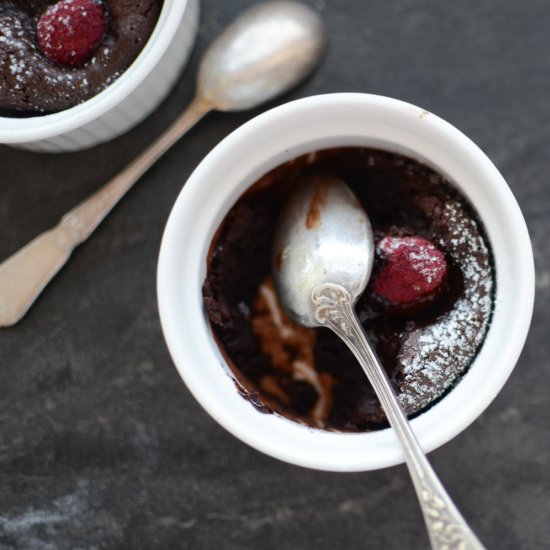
(101, 445)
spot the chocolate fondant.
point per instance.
(31, 84)
(309, 375)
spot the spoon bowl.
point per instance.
(323, 236)
(264, 53)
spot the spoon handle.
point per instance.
(24, 275)
(446, 527)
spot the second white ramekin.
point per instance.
(123, 104)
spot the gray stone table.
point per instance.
(102, 446)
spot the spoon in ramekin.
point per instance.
(322, 260)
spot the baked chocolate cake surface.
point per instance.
(31, 84)
(309, 375)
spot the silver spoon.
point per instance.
(265, 52)
(323, 255)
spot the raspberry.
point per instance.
(68, 32)
(412, 270)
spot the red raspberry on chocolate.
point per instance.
(68, 32)
(412, 270)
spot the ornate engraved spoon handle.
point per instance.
(24, 275)
(446, 526)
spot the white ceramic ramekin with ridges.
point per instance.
(123, 104)
(280, 135)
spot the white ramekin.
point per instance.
(282, 134)
(123, 104)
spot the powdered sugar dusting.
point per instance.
(426, 264)
(433, 357)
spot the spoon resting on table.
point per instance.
(268, 50)
(323, 255)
